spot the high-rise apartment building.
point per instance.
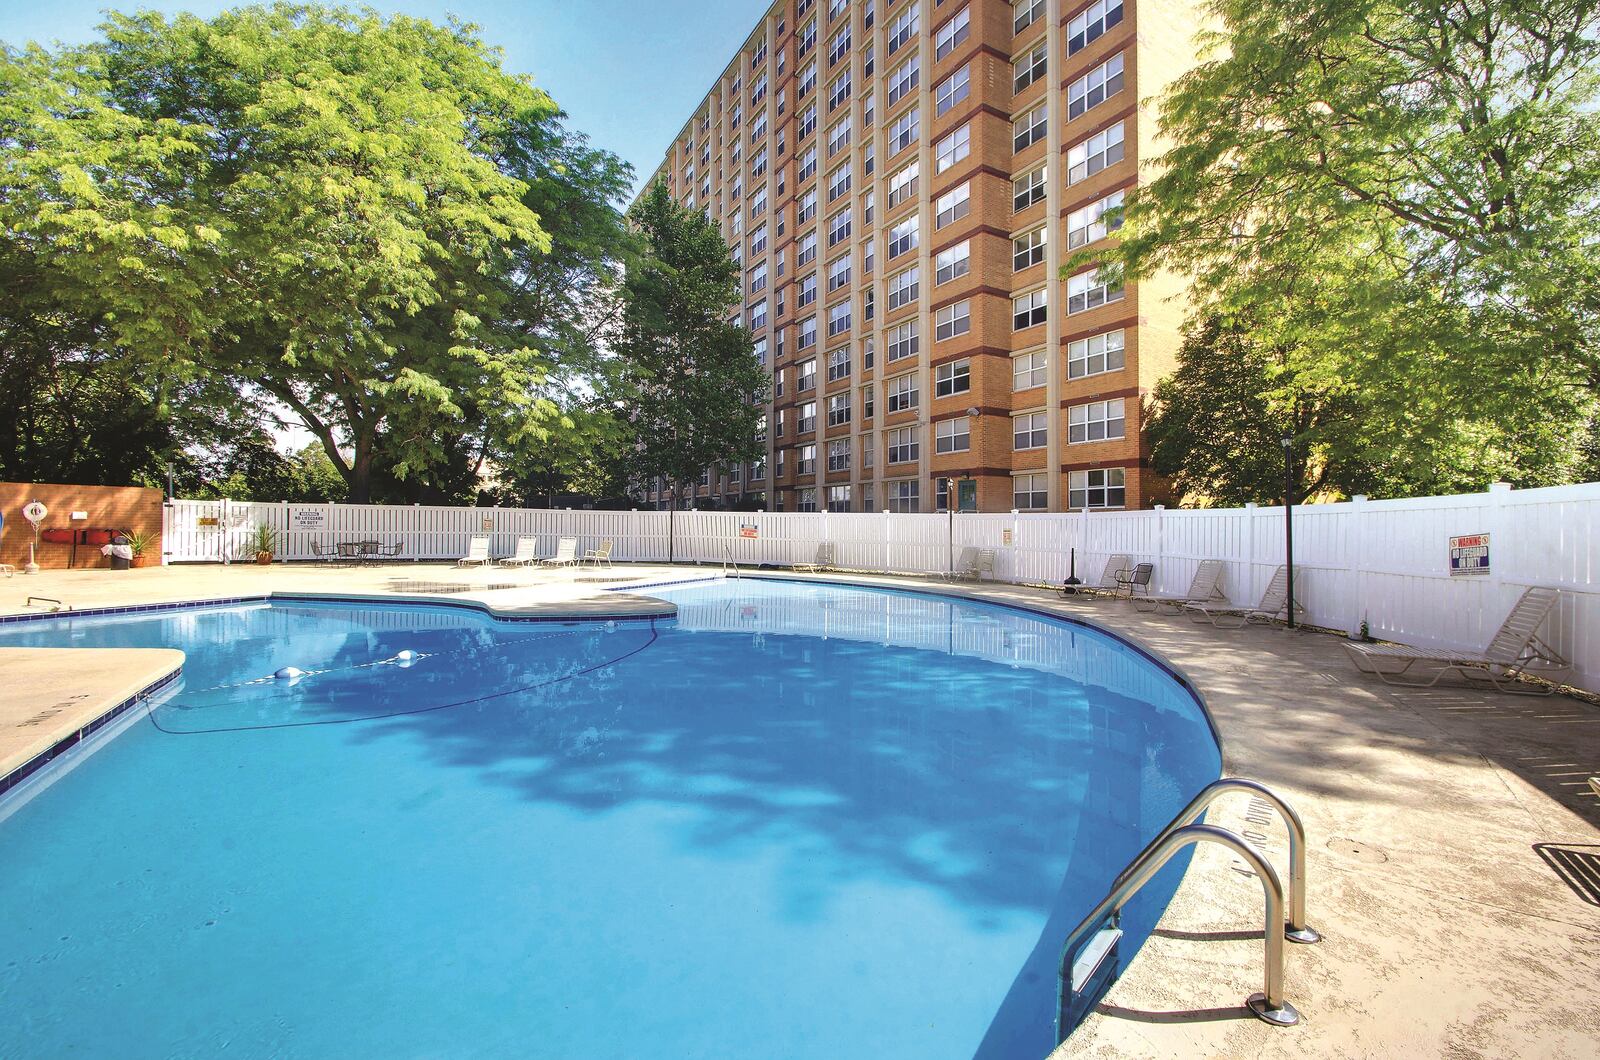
(901, 181)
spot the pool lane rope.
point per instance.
(485, 698)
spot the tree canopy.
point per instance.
(696, 387)
(1402, 200)
(362, 219)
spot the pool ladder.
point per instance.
(1089, 962)
(728, 562)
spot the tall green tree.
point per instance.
(1404, 197)
(696, 387)
(334, 209)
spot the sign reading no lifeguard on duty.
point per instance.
(1469, 554)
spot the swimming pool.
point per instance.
(797, 820)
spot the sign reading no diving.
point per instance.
(1469, 554)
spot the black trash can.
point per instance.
(119, 561)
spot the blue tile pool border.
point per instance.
(320, 598)
(77, 736)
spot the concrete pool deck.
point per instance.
(1454, 842)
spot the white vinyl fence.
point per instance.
(1385, 563)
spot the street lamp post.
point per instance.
(1288, 519)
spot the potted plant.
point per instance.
(138, 541)
(266, 541)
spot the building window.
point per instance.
(1100, 488)
(777, 392)
(838, 319)
(902, 391)
(805, 460)
(839, 136)
(1027, 249)
(903, 237)
(1029, 430)
(807, 125)
(953, 435)
(806, 209)
(839, 91)
(1028, 310)
(838, 498)
(808, 292)
(953, 205)
(869, 202)
(808, 81)
(1030, 493)
(902, 80)
(839, 454)
(807, 337)
(1025, 13)
(904, 27)
(758, 278)
(805, 165)
(903, 131)
(1028, 370)
(1095, 355)
(950, 91)
(902, 184)
(839, 46)
(839, 227)
(1095, 87)
(1091, 23)
(839, 182)
(805, 499)
(838, 273)
(902, 445)
(903, 341)
(901, 495)
(1096, 421)
(1087, 291)
(839, 405)
(806, 422)
(903, 288)
(1029, 67)
(866, 353)
(806, 39)
(1090, 223)
(1027, 190)
(1029, 128)
(952, 148)
(952, 262)
(758, 315)
(758, 238)
(1088, 157)
(952, 378)
(808, 369)
(866, 402)
(951, 34)
(806, 251)
(952, 320)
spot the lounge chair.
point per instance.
(1135, 582)
(566, 554)
(1515, 650)
(1206, 586)
(477, 553)
(527, 553)
(980, 563)
(1108, 584)
(824, 560)
(597, 556)
(1274, 605)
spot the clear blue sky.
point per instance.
(627, 71)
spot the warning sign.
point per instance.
(748, 531)
(1469, 554)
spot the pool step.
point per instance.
(1094, 968)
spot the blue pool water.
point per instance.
(797, 821)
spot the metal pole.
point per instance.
(950, 526)
(1288, 519)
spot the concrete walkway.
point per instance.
(1454, 843)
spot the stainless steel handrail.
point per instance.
(1269, 1005)
(1296, 929)
(729, 561)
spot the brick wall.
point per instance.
(131, 508)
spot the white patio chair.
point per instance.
(824, 560)
(566, 554)
(596, 556)
(1109, 584)
(1274, 605)
(1515, 650)
(981, 563)
(527, 553)
(477, 553)
(1206, 586)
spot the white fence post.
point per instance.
(1356, 542)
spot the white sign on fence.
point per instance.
(310, 519)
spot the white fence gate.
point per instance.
(1385, 563)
